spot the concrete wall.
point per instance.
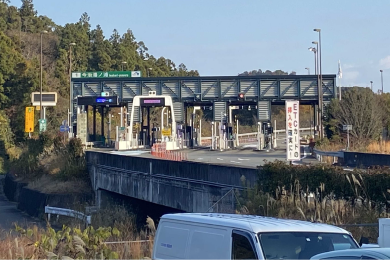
(188, 186)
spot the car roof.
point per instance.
(255, 223)
(382, 252)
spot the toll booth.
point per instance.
(148, 135)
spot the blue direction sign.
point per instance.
(64, 128)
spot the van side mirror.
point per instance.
(363, 240)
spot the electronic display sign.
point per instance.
(152, 102)
(98, 101)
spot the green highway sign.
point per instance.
(42, 125)
(106, 74)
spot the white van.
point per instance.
(231, 236)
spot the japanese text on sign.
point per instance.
(292, 131)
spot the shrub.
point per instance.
(326, 180)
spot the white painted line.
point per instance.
(219, 159)
(240, 159)
(200, 158)
(234, 162)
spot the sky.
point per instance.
(227, 37)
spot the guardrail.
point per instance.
(339, 154)
(68, 213)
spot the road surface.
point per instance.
(9, 214)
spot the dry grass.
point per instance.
(19, 247)
(131, 244)
(294, 205)
(51, 185)
(379, 147)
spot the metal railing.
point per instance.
(68, 213)
(339, 154)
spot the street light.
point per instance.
(123, 62)
(371, 84)
(320, 80)
(70, 87)
(382, 80)
(149, 69)
(40, 99)
(314, 50)
(308, 70)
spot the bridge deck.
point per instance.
(237, 158)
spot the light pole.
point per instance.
(123, 62)
(308, 70)
(40, 98)
(70, 87)
(381, 71)
(314, 50)
(320, 81)
(149, 69)
(371, 84)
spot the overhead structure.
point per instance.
(216, 93)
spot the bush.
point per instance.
(326, 180)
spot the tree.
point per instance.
(362, 109)
(27, 14)
(267, 72)
(101, 51)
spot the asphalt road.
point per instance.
(9, 214)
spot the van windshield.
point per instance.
(302, 245)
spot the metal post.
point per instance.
(238, 142)
(382, 80)
(321, 105)
(275, 139)
(109, 129)
(319, 96)
(44, 112)
(70, 88)
(102, 124)
(40, 93)
(212, 135)
(200, 132)
(121, 116)
(162, 122)
(94, 122)
(371, 84)
(347, 138)
(258, 136)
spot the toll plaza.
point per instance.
(176, 96)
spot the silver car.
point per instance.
(355, 254)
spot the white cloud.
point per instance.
(385, 63)
(347, 66)
(350, 75)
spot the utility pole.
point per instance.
(70, 89)
(381, 71)
(40, 98)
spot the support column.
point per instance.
(87, 118)
(102, 122)
(148, 125)
(316, 125)
(94, 123)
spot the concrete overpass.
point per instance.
(206, 182)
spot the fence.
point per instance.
(247, 138)
(68, 213)
(160, 150)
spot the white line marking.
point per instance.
(234, 162)
(240, 159)
(219, 159)
(200, 158)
